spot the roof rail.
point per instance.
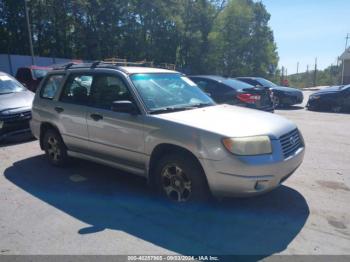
(67, 66)
(113, 63)
(95, 64)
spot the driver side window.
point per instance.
(106, 89)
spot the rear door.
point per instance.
(114, 136)
(71, 110)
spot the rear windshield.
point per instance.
(10, 85)
(40, 73)
(236, 83)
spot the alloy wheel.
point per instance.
(53, 149)
(175, 183)
(276, 101)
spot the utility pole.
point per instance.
(297, 70)
(307, 76)
(343, 61)
(315, 73)
(29, 32)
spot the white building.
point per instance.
(346, 58)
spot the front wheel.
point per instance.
(276, 101)
(336, 109)
(181, 179)
(55, 149)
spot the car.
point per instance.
(234, 92)
(31, 76)
(282, 96)
(15, 107)
(335, 99)
(159, 124)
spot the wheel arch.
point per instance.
(165, 148)
(43, 128)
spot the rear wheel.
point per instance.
(180, 179)
(55, 148)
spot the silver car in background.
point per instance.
(158, 124)
(15, 107)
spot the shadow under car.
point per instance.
(108, 198)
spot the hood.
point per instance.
(286, 89)
(232, 121)
(328, 90)
(16, 100)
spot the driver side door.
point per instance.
(114, 136)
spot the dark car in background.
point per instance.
(31, 76)
(282, 96)
(15, 107)
(234, 92)
(335, 99)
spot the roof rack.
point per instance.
(113, 63)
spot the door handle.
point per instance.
(59, 109)
(96, 117)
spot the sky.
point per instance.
(306, 29)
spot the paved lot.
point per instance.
(91, 209)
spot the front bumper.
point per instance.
(14, 127)
(291, 99)
(250, 175)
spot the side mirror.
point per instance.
(124, 107)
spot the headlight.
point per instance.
(248, 146)
(314, 97)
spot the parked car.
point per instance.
(31, 76)
(15, 107)
(159, 124)
(335, 99)
(282, 96)
(234, 92)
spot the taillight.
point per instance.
(248, 98)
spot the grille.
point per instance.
(291, 142)
(16, 117)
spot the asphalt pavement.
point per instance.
(91, 209)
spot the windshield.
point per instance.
(266, 83)
(40, 73)
(9, 85)
(159, 91)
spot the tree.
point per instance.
(229, 37)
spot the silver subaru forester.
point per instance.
(158, 124)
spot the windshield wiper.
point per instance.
(6, 93)
(171, 109)
(201, 105)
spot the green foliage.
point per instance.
(330, 76)
(199, 36)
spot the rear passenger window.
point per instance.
(77, 90)
(51, 86)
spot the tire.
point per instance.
(55, 149)
(336, 109)
(276, 102)
(181, 179)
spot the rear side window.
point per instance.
(77, 90)
(51, 86)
